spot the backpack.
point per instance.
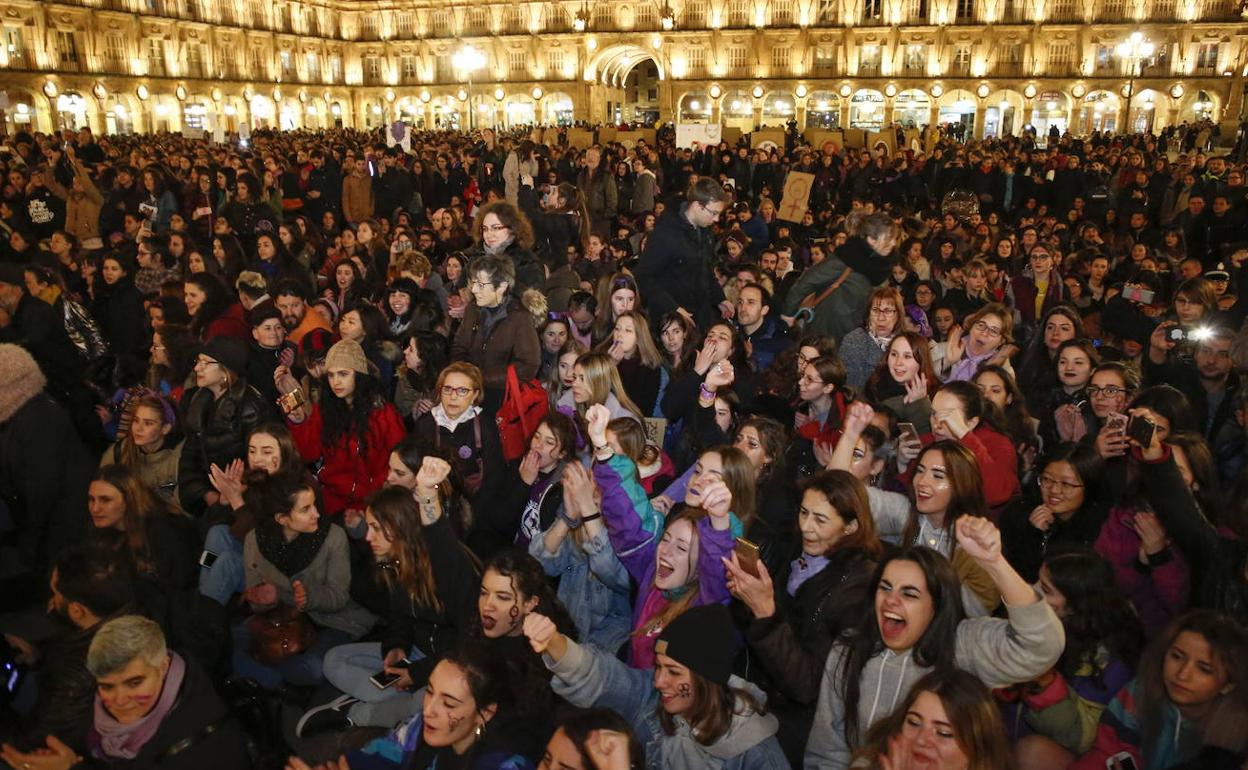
(524, 406)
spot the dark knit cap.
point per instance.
(702, 639)
(316, 344)
(227, 351)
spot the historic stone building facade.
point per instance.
(997, 65)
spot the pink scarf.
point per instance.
(111, 739)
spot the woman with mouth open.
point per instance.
(919, 625)
(678, 562)
(691, 712)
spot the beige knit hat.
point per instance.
(20, 380)
(347, 354)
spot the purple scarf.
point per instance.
(111, 739)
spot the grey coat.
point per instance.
(327, 580)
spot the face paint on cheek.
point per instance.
(684, 690)
(453, 723)
(514, 614)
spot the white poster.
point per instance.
(703, 134)
(400, 135)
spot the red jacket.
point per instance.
(997, 459)
(229, 324)
(348, 475)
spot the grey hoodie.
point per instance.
(587, 677)
(999, 652)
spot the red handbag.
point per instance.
(524, 406)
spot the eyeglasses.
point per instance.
(494, 228)
(1109, 391)
(806, 378)
(481, 284)
(448, 390)
(984, 328)
(201, 361)
(1049, 482)
(887, 310)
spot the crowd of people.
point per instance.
(501, 453)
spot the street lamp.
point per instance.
(468, 60)
(1133, 51)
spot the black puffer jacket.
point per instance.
(66, 693)
(216, 432)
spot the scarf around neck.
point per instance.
(440, 417)
(110, 739)
(291, 556)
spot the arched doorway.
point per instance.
(1003, 115)
(1146, 107)
(71, 110)
(737, 110)
(633, 74)
(823, 110)
(263, 113)
(695, 107)
(165, 113)
(20, 115)
(447, 113)
(1097, 112)
(957, 110)
(557, 109)
(912, 108)
(196, 116)
(866, 110)
(519, 110)
(1198, 106)
(1050, 110)
(778, 109)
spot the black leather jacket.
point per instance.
(216, 432)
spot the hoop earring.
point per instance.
(480, 728)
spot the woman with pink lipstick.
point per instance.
(919, 625)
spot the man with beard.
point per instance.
(1208, 380)
(291, 300)
(89, 587)
(766, 336)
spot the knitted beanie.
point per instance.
(347, 354)
(702, 639)
(20, 380)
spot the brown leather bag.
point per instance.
(280, 633)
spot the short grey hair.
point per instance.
(123, 639)
(498, 267)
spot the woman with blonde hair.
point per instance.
(596, 380)
(457, 424)
(636, 358)
(864, 347)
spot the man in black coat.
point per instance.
(44, 473)
(676, 272)
(88, 587)
(392, 188)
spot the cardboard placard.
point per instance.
(731, 135)
(607, 134)
(819, 137)
(774, 136)
(630, 138)
(399, 134)
(536, 135)
(793, 203)
(580, 138)
(913, 142)
(703, 134)
(887, 137)
(656, 429)
(855, 137)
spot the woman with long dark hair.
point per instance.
(1187, 704)
(351, 429)
(213, 312)
(1103, 643)
(432, 582)
(919, 625)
